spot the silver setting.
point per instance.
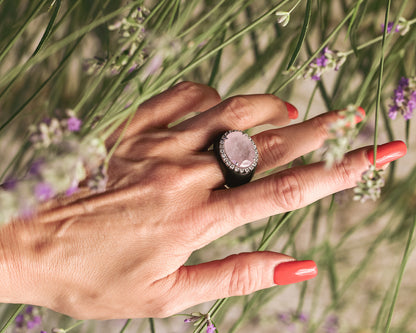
(229, 163)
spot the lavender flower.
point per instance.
(211, 328)
(74, 124)
(370, 185)
(43, 191)
(328, 60)
(403, 26)
(293, 321)
(64, 159)
(404, 99)
(390, 27)
(331, 324)
(27, 321)
(341, 135)
(198, 317)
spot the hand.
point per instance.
(121, 253)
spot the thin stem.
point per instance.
(127, 323)
(214, 51)
(7, 48)
(315, 54)
(380, 81)
(406, 256)
(152, 325)
(19, 308)
(63, 43)
(202, 19)
(78, 323)
(294, 7)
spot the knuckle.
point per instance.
(244, 278)
(187, 86)
(287, 191)
(320, 126)
(272, 148)
(196, 91)
(346, 173)
(240, 111)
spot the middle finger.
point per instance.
(238, 112)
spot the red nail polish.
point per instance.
(291, 111)
(387, 153)
(358, 118)
(294, 271)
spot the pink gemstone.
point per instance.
(239, 149)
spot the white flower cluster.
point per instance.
(370, 185)
(62, 159)
(341, 135)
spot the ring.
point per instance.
(237, 155)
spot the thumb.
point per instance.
(241, 274)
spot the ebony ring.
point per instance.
(237, 155)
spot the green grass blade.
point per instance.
(302, 36)
(128, 321)
(406, 256)
(21, 30)
(380, 80)
(19, 308)
(48, 29)
(217, 61)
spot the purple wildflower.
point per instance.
(19, 320)
(211, 328)
(322, 61)
(43, 191)
(327, 60)
(35, 167)
(404, 99)
(303, 317)
(73, 189)
(390, 26)
(9, 184)
(74, 124)
(331, 324)
(316, 77)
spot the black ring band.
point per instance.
(237, 155)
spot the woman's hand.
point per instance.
(121, 253)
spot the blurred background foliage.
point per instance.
(238, 47)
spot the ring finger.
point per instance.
(280, 146)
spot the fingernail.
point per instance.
(294, 271)
(387, 153)
(291, 111)
(358, 118)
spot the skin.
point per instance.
(121, 253)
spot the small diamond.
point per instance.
(246, 170)
(236, 169)
(232, 166)
(251, 168)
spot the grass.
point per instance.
(362, 250)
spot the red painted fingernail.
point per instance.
(387, 153)
(291, 111)
(358, 118)
(294, 271)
